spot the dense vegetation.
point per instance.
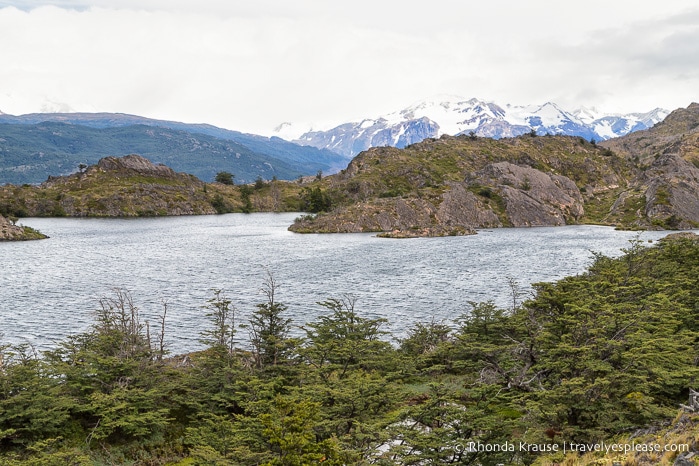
(585, 359)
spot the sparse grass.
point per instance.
(662, 196)
(598, 208)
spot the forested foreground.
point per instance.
(590, 358)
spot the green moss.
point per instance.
(30, 233)
(662, 196)
(633, 210)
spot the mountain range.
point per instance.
(453, 116)
(34, 146)
(37, 145)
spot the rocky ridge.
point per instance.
(454, 185)
(665, 190)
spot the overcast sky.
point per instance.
(250, 65)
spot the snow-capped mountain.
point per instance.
(454, 115)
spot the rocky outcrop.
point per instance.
(398, 218)
(663, 196)
(531, 197)
(670, 189)
(11, 232)
(461, 208)
(135, 164)
(382, 215)
(465, 183)
(672, 193)
(501, 194)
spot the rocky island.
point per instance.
(133, 186)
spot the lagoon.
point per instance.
(50, 289)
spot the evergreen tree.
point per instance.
(269, 329)
(224, 178)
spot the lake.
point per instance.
(50, 289)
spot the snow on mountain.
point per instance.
(455, 115)
(291, 131)
(587, 114)
(351, 138)
(286, 131)
(615, 125)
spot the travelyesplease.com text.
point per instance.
(566, 447)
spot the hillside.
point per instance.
(677, 133)
(461, 183)
(311, 158)
(451, 185)
(124, 187)
(667, 160)
(31, 149)
(133, 186)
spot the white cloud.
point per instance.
(252, 65)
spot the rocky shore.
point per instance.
(11, 232)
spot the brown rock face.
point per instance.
(532, 197)
(501, 194)
(672, 194)
(135, 163)
(461, 207)
(8, 231)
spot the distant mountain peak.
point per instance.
(454, 115)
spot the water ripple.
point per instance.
(50, 289)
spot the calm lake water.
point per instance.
(50, 289)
